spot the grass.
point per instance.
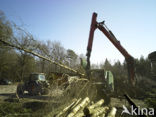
(13, 109)
(28, 107)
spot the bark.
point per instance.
(91, 108)
(97, 104)
(66, 109)
(79, 114)
(112, 112)
(77, 102)
(99, 111)
(80, 106)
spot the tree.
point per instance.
(25, 65)
(106, 65)
(72, 58)
(58, 52)
(5, 26)
(143, 67)
(54, 51)
(44, 50)
(25, 61)
(5, 34)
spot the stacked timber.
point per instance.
(86, 108)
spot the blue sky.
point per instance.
(132, 21)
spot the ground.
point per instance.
(41, 105)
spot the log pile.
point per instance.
(86, 108)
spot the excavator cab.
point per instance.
(100, 77)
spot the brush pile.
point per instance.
(86, 108)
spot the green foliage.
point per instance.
(71, 58)
(143, 67)
(151, 103)
(107, 65)
(26, 109)
(71, 54)
(7, 54)
(25, 65)
(143, 76)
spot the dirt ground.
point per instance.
(7, 91)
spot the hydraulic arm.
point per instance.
(102, 27)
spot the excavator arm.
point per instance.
(103, 28)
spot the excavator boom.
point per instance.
(102, 27)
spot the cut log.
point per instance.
(103, 115)
(77, 102)
(112, 112)
(91, 108)
(66, 108)
(97, 104)
(79, 114)
(99, 111)
(82, 105)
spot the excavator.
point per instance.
(129, 59)
(108, 33)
